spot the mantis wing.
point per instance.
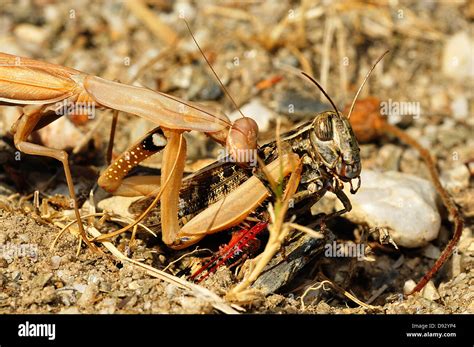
(28, 81)
(159, 108)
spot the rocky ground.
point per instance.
(257, 50)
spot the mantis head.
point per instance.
(241, 141)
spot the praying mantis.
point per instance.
(42, 89)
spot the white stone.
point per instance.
(31, 33)
(79, 287)
(70, 310)
(458, 60)
(88, 297)
(460, 107)
(456, 178)
(257, 111)
(409, 286)
(55, 262)
(61, 134)
(402, 203)
(430, 292)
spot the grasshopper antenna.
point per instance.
(213, 71)
(322, 90)
(363, 83)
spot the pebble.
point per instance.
(109, 306)
(456, 264)
(61, 134)
(70, 310)
(41, 279)
(93, 278)
(409, 286)
(470, 308)
(458, 60)
(105, 286)
(55, 262)
(460, 108)
(257, 111)
(88, 296)
(439, 101)
(457, 178)
(182, 77)
(402, 203)
(134, 285)
(389, 157)
(471, 247)
(171, 290)
(430, 292)
(185, 9)
(431, 252)
(32, 34)
(79, 287)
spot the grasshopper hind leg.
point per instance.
(112, 179)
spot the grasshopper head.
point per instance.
(335, 144)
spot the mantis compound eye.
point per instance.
(323, 128)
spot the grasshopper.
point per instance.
(43, 89)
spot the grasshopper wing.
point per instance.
(28, 81)
(159, 108)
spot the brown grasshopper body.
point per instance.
(43, 89)
(211, 199)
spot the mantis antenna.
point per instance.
(322, 90)
(212, 69)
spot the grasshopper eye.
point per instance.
(324, 129)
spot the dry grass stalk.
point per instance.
(199, 292)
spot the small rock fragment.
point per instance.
(257, 111)
(470, 308)
(32, 34)
(431, 252)
(458, 60)
(79, 287)
(171, 290)
(430, 292)
(456, 265)
(460, 107)
(40, 280)
(88, 297)
(55, 262)
(409, 286)
(134, 285)
(70, 310)
(61, 134)
(457, 178)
